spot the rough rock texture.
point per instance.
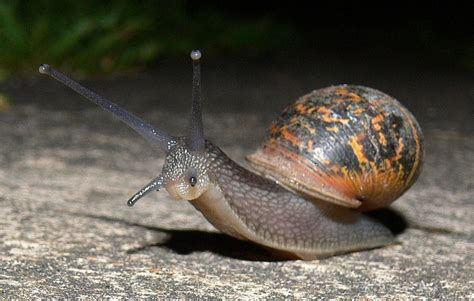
(67, 169)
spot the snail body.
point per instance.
(273, 206)
(247, 206)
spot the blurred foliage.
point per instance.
(4, 103)
(103, 36)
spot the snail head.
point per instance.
(184, 173)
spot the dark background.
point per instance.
(254, 53)
(90, 37)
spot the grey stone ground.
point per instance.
(67, 169)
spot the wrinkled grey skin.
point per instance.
(262, 211)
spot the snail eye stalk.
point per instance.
(195, 137)
(192, 181)
(154, 136)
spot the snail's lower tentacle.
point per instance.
(155, 184)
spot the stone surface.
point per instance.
(67, 169)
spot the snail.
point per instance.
(333, 154)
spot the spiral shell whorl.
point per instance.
(351, 142)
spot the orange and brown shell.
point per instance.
(350, 145)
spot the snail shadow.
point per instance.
(391, 219)
(186, 242)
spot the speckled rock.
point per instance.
(67, 169)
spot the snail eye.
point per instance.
(192, 181)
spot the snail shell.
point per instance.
(350, 145)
